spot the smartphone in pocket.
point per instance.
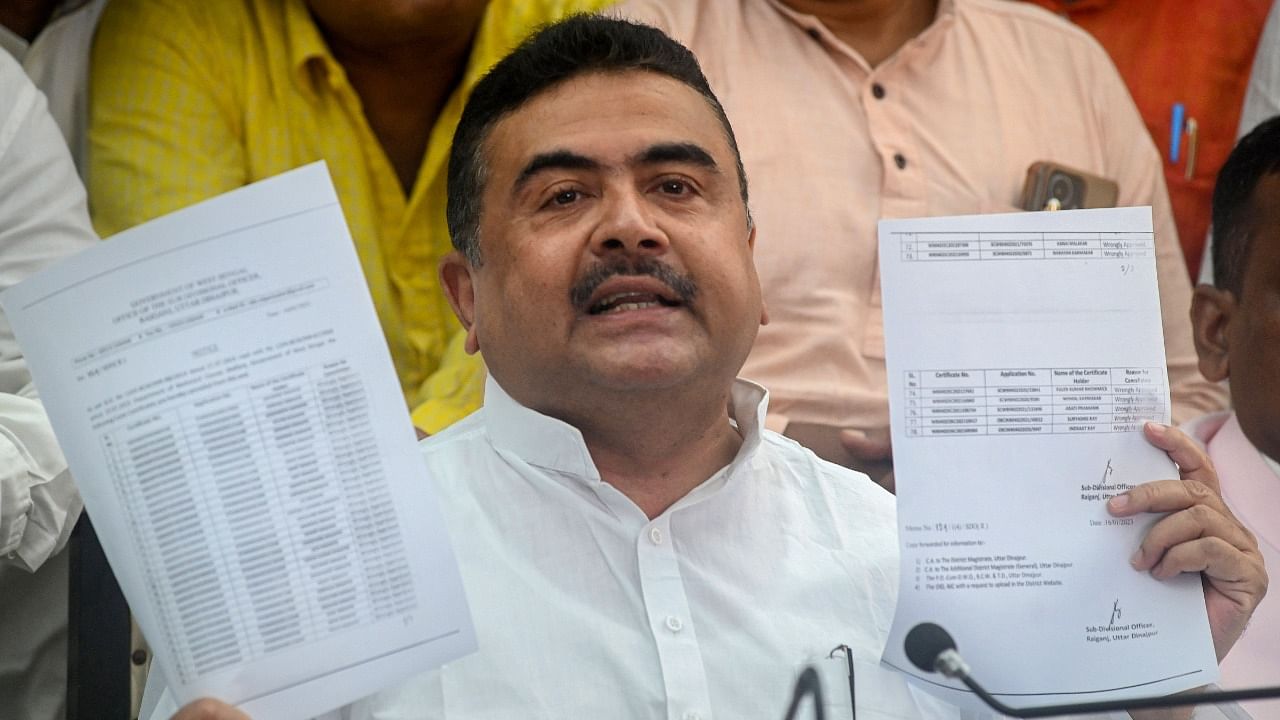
(1050, 186)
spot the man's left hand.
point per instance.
(208, 709)
(1200, 534)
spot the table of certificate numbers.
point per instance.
(953, 246)
(980, 401)
(297, 438)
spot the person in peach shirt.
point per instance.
(852, 111)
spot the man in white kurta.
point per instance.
(586, 607)
(632, 543)
(42, 217)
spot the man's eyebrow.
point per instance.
(554, 160)
(677, 152)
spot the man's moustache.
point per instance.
(681, 285)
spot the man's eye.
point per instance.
(674, 187)
(564, 197)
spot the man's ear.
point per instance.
(459, 288)
(751, 243)
(1211, 312)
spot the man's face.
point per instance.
(616, 254)
(1253, 335)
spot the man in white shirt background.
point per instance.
(633, 542)
(50, 40)
(43, 216)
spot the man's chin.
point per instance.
(642, 374)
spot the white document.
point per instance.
(1024, 354)
(221, 387)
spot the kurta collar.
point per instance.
(307, 48)
(553, 444)
(13, 43)
(17, 46)
(1250, 480)
(1064, 7)
(946, 10)
(813, 26)
(1275, 466)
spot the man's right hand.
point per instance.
(207, 709)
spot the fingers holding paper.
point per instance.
(1199, 534)
(1192, 461)
(207, 709)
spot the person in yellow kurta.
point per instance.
(190, 99)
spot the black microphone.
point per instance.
(932, 649)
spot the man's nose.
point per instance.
(628, 225)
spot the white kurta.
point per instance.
(57, 61)
(42, 217)
(585, 608)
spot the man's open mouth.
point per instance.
(621, 302)
(623, 284)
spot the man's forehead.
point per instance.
(597, 104)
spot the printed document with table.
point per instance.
(221, 387)
(1024, 354)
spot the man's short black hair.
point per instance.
(575, 46)
(1254, 157)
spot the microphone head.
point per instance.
(924, 643)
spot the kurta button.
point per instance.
(691, 715)
(877, 91)
(655, 535)
(674, 624)
(900, 160)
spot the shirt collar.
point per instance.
(307, 48)
(1275, 466)
(813, 26)
(17, 46)
(552, 444)
(1250, 480)
(1063, 7)
(946, 9)
(13, 43)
